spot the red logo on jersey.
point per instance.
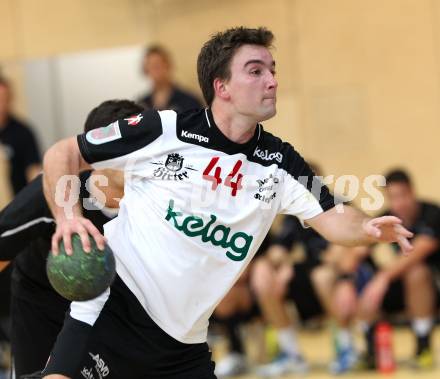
(134, 120)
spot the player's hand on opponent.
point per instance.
(389, 229)
(76, 225)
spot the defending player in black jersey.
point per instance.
(26, 228)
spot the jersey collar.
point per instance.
(220, 142)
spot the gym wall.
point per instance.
(359, 81)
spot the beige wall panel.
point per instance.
(385, 50)
(185, 26)
(7, 30)
(57, 26)
(287, 123)
(14, 72)
(359, 81)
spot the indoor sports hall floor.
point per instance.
(318, 351)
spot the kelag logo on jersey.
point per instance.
(172, 168)
(238, 243)
(266, 156)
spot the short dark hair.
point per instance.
(215, 57)
(159, 50)
(398, 176)
(109, 111)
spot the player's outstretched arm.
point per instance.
(64, 158)
(352, 228)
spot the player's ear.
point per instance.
(221, 89)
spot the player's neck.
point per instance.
(236, 127)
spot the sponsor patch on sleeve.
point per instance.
(134, 120)
(105, 134)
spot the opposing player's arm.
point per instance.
(351, 227)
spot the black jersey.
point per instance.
(21, 150)
(427, 223)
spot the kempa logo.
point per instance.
(266, 156)
(197, 137)
(218, 235)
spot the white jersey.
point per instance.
(196, 208)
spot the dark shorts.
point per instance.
(34, 329)
(303, 294)
(394, 299)
(125, 343)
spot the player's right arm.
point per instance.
(123, 145)
(64, 158)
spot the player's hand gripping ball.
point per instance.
(81, 276)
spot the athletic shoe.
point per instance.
(346, 359)
(365, 362)
(231, 365)
(423, 361)
(282, 365)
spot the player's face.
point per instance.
(252, 86)
(157, 68)
(401, 199)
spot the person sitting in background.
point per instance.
(19, 143)
(239, 306)
(315, 284)
(409, 281)
(157, 65)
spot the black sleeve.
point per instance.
(25, 218)
(289, 232)
(121, 137)
(69, 349)
(295, 165)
